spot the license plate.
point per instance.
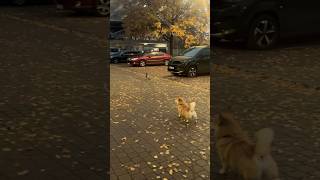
(171, 67)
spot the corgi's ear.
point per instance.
(217, 121)
(224, 118)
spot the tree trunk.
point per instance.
(171, 44)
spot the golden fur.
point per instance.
(238, 153)
(186, 111)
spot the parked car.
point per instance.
(192, 62)
(18, 2)
(114, 51)
(124, 56)
(24, 2)
(260, 23)
(153, 58)
(100, 7)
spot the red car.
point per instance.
(101, 7)
(153, 58)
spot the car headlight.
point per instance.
(133, 59)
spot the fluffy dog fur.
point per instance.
(186, 111)
(253, 161)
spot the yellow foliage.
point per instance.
(186, 20)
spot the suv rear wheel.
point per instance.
(192, 71)
(263, 32)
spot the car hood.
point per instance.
(114, 53)
(181, 58)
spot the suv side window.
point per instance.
(205, 53)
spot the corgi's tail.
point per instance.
(264, 138)
(192, 106)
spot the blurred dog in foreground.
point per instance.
(186, 111)
(237, 153)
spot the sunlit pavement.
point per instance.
(148, 141)
(202, 81)
(278, 89)
(52, 107)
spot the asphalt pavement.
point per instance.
(53, 104)
(147, 138)
(277, 88)
(53, 101)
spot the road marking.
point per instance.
(57, 28)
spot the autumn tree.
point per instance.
(165, 19)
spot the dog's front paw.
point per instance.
(222, 171)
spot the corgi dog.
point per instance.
(251, 160)
(186, 111)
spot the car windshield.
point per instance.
(151, 54)
(191, 52)
(114, 50)
(132, 52)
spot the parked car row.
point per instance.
(24, 2)
(100, 7)
(192, 62)
(121, 57)
(261, 23)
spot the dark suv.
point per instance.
(192, 62)
(262, 22)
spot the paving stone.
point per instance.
(52, 102)
(285, 99)
(163, 141)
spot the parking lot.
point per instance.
(278, 88)
(52, 97)
(53, 106)
(148, 141)
(202, 81)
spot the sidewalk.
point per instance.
(294, 116)
(147, 139)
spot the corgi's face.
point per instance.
(179, 100)
(225, 124)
